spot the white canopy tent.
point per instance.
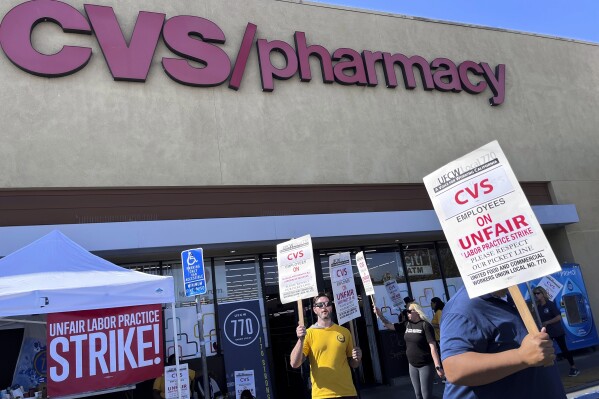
(54, 274)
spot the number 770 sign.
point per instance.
(242, 327)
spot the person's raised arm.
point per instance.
(387, 323)
(474, 369)
(297, 354)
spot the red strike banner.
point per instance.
(100, 349)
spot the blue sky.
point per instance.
(572, 19)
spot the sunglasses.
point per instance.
(323, 304)
(538, 293)
(411, 311)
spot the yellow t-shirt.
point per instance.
(159, 383)
(436, 322)
(328, 350)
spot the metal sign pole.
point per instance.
(206, 377)
(176, 334)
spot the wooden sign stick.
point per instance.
(300, 312)
(351, 331)
(523, 309)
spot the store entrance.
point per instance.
(290, 383)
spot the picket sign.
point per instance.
(297, 277)
(365, 275)
(345, 295)
(492, 231)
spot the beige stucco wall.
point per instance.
(582, 237)
(86, 130)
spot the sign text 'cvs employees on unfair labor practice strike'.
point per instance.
(491, 229)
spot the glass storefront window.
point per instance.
(384, 264)
(271, 271)
(424, 274)
(148, 268)
(242, 279)
(450, 269)
(418, 269)
(188, 315)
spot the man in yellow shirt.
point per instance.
(329, 347)
(159, 384)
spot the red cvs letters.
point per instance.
(483, 187)
(295, 255)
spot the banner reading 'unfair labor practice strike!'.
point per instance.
(491, 229)
(93, 350)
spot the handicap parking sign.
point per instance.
(194, 278)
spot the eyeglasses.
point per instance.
(538, 293)
(323, 304)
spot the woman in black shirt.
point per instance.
(421, 349)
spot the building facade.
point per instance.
(141, 129)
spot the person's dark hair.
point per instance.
(543, 292)
(407, 300)
(439, 304)
(246, 393)
(171, 360)
(320, 295)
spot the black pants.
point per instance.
(561, 342)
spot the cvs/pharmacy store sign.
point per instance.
(197, 39)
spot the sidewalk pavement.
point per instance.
(584, 386)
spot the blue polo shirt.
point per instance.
(492, 325)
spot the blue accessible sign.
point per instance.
(194, 278)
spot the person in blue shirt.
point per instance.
(488, 354)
